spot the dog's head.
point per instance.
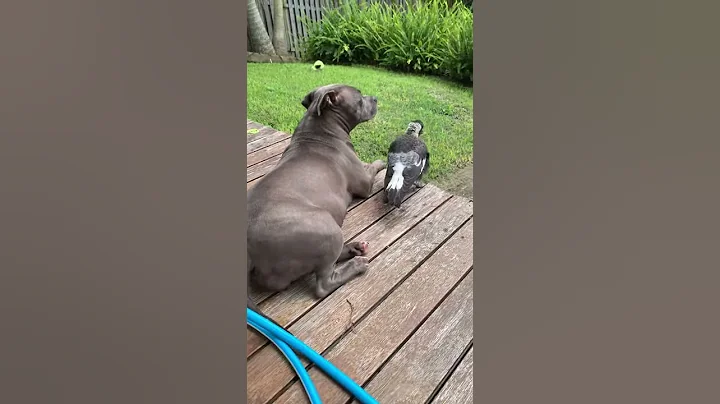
(344, 100)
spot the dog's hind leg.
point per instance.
(332, 277)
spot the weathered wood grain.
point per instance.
(258, 170)
(289, 305)
(374, 208)
(257, 132)
(266, 140)
(254, 125)
(330, 319)
(362, 352)
(267, 152)
(420, 365)
(458, 389)
(251, 127)
(260, 296)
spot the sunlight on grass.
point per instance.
(275, 92)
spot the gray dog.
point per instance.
(295, 212)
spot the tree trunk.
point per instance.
(279, 27)
(259, 38)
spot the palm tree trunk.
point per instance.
(259, 38)
(279, 27)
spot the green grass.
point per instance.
(426, 36)
(275, 92)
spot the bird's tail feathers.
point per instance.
(398, 186)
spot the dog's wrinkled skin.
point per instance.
(295, 212)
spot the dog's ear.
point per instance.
(316, 100)
(308, 99)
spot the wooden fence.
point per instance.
(295, 11)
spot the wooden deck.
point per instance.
(403, 330)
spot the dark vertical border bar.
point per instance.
(122, 241)
(597, 164)
(242, 207)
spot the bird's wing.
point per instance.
(412, 173)
(425, 154)
(413, 166)
(408, 165)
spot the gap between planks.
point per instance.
(444, 277)
(269, 137)
(458, 388)
(413, 373)
(328, 321)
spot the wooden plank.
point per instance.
(373, 209)
(291, 40)
(266, 140)
(412, 375)
(267, 6)
(292, 10)
(258, 131)
(362, 352)
(254, 125)
(267, 152)
(459, 387)
(258, 170)
(260, 296)
(302, 13)
(329, 319)
(289, 305)
(255, 134)
(316, 10)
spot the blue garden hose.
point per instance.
(307, 383)
(288, 343)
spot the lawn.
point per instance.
(275, 91)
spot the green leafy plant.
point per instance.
(426, 36)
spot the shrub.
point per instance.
(427, 36)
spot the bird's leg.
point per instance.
(419, 183)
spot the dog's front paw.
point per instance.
(380, 164)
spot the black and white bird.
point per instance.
(408, 159)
